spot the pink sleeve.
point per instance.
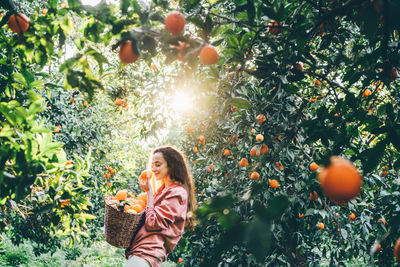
(171, 208)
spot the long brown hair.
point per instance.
(179, 171)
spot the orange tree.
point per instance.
(305, 66)
(309, 77)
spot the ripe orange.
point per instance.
(195, 150)
(301, 215)
(143, 179)
(314, 166)
(255, 176)
(314, 195)
(264, 149)
(367, 93)
(259, 138)
(136, 207)
(118, 101)
(85, 103)
(274, 27)
(174, 22)
(243, 162)
(320, 225)
(189, 129)
(44, 11)
(261, 118)
(180, 260)
(273, 183)
(72, 100)
(142, 196)
(341, 180)
(382, 220)
(202, 138)
(254, 152)
(121, 195)
(352, 217)
(227, 152)
(378, 247)
(317, 83)
(208, 55)
(252, 131)
(18, 23)
(280, 166)
(56, 130)
(396, 251)
(126, 54)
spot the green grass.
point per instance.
(99, 254)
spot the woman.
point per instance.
(168, 212)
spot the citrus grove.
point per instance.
(293, 132)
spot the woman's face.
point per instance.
(159, 166)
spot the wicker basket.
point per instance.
(121, 227)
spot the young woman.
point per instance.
(168, 212)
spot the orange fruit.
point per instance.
(18, 23)
(118, 101)
(378, 247)
(255, 176)
(280, 166)
(180, 260)
(72, 100)
(208, 55)
(56, 130)
(195, 150)
(396, 251)
(189, 129)
(382, 220)
(174, 22)
(314, 166)
(384, 173)
(393, 74)
(259, 138)
(85, 103)
(301, 215)
(141, 203)
(367, 93)
(264, 149)
(143, 179)
(252, 131)
(109, 184)
(320, 225)
(254, 152)
(273, 183)
(154, 66)
(352, 217)
(273, 27)
(136, 207)
(202, 138)
(126, 54)
(44, 11)
(261, 118)
(341, 180)
(107, 175)
(227, 152)
(314, 195)
(243, 162)
(317, 83)
(121, 195)
(142, 196)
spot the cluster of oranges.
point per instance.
(120, 102)
(110, 171)
(174, 23)
(125, 201)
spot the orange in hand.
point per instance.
(144, 176)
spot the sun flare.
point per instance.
(181, 102)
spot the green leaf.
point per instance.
(20, 78)
(240, 103)
(258, 238)
(371, 157)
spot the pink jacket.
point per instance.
(164, 226)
